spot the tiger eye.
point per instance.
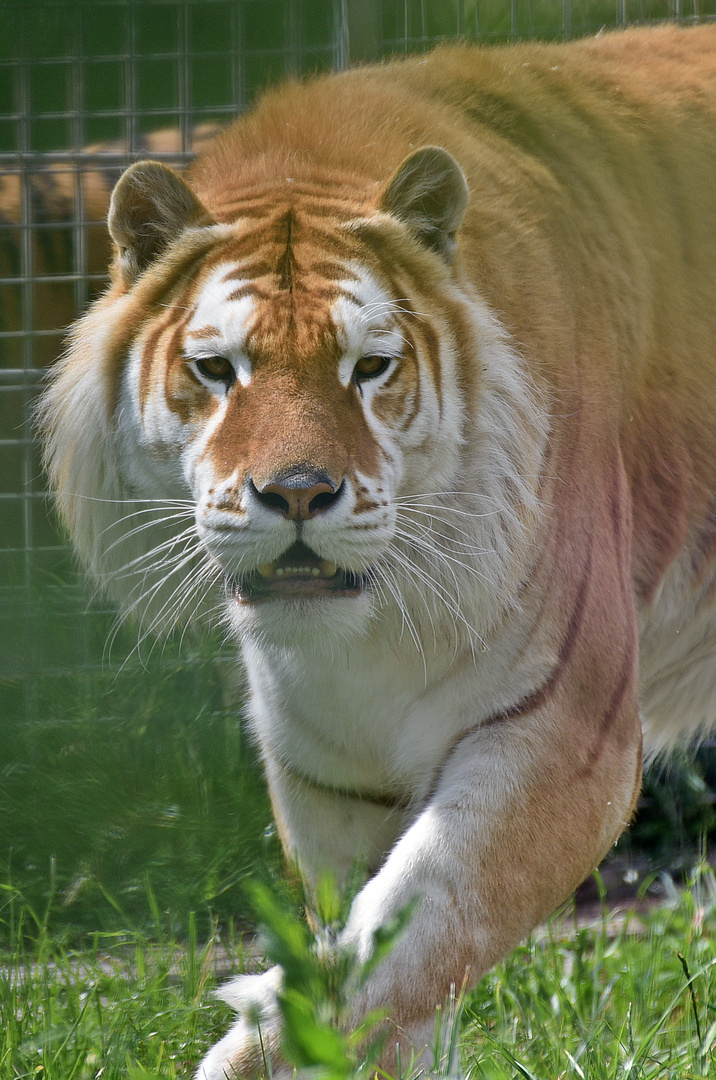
(217, 368)
(368, 367)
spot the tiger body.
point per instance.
(451, 465)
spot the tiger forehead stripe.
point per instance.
(330, 269)
(325, 290)
(313, 245)
(319, 198)
(203, 332)
(290, 252)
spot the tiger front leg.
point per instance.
(525, 809)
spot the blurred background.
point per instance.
(124, 772)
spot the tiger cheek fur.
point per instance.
(419, 397)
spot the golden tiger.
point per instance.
(414, 385)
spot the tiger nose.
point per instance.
(299, 495)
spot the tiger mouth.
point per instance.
(298, 573)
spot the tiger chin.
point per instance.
(412, 381)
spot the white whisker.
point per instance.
(167, 545)
(149, 525)
(443, 557)
(188, 503)
(388, 576)
(451, 603)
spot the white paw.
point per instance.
(254, 995)
(255, 1037)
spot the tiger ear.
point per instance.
(429, 193)
(150, 206)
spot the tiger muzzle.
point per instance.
(298, 494)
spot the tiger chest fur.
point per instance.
(412, 384)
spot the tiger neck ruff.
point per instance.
(412, 383)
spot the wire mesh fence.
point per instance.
(88, 86)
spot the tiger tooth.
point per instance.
(328, 569)
(266, 570)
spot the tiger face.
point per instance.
(291, 378)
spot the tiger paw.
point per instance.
(251, 1046)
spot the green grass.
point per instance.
(120, 1007)
(634, 1004)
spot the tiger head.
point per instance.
(271, 397)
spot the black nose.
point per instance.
(298, 494)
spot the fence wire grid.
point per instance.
(87, 87)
